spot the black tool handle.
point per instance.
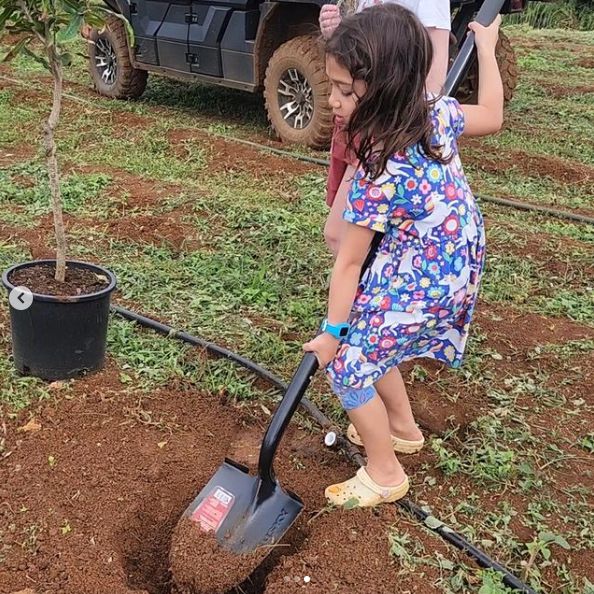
(293, 395)
(283, 414)
(486, 15)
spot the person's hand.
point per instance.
(324, 347)
(486, 38)
(329, 19)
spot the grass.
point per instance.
(519, 469)
(562, 14)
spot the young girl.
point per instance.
(435, 16)
(418, 296)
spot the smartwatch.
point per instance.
(337, 330)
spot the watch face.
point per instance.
(344, 332)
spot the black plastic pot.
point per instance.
(60, 337)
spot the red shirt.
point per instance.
(339, 159)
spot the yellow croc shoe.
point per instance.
(363, 491)
(402, 446)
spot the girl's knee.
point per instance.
(332, 240)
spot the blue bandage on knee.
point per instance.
(354, 398)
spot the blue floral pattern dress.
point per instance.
(418, 296)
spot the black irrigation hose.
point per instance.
(501, 201)
(351, 451)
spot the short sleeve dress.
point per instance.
(418, 296)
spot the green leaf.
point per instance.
(15, 50)
(546, 553)
(433, 522)
(40, 59)
(554, 538)
(96, 21)
(351, 503)
(66, 58)
(72, 30)
(6, 14)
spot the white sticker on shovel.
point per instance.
(213, 509)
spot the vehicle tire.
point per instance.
(109, 62)
(508, 67)
(296, 92)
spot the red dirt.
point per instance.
(93, 492)
(157, 230)
(506, 329)
(132, 190)
(9, 155)
(167, 229)
(548, 45)
(125, 122)
(99, 516)
(41, 279)
(199, 565)
(558, 91)
(562, 170)
(586, 62)
(227, 156)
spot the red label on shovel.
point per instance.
(213, 509)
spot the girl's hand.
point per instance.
(329, 19)
(324, 347)
(485, 38)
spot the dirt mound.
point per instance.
(532, 165)
(228, 156)
(199, 565)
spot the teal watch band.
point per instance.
(336, 330)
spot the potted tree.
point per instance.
(59, 308)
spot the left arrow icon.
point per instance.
(21, 298)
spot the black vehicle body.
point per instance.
(233, 43)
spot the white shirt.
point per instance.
(432, 13)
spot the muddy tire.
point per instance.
(508, 67)
(296, 92)
(109, 63)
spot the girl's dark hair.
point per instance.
(389, 49)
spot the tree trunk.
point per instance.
(52, 163)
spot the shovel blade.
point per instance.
(243, 511)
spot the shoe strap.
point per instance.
(383, 492)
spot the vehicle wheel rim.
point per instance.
(106, 61)
(295, 99)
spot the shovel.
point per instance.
(247, 512)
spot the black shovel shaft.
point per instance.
(282, 416)
(292, 397)
(486, 15)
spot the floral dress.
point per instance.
(418, 296)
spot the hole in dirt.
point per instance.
(145, 544)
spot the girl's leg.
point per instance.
(335, 225)
(392, 392)
(371, 420)
(440, 39)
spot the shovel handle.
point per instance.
(283, 413)
(485, 16)
(293, 395)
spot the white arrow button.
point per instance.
(21, 298)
